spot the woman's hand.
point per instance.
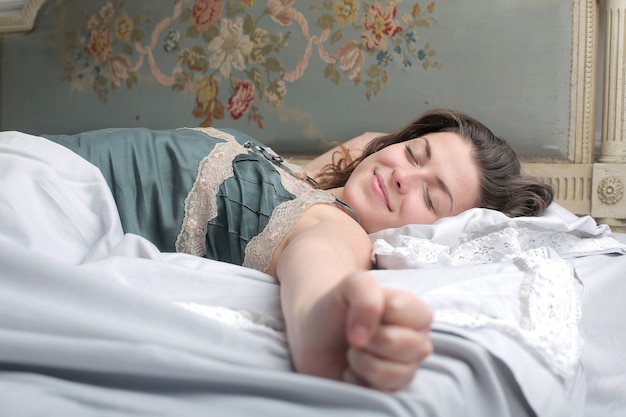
(340, 323)
(364, 334)
(387, 356)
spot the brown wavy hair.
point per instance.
(503, 186)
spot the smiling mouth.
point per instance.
(379, 188)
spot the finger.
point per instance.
(404, 309)
(400, 344)
(365, 302)
(379, 373)
(351, 378)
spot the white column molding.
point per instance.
(613, 145)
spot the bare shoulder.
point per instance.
(329, 216)
(326, 225)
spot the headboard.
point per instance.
(300, 76)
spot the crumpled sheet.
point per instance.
(97, 323)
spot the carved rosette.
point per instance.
(610, 190)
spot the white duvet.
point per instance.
(83, 304)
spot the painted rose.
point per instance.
(350, 58)
(241, 101)
(99, 45)
(119, 70)
(205, 13)
(280, 10)
(379, 25)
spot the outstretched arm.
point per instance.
(340, 324)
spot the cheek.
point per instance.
(414, 212)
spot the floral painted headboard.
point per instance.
(276, 69)
(297, 75)
(300, 75)
(228, 55)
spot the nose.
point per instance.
(404, 179)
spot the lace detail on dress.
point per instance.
(260, 248)
(201, 202)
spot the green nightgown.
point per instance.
(214, 193)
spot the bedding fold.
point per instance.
(95, 322)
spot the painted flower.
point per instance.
(379, 25)
(206, 92)
(276, 93)
(106, 13)
(123, 27)
(172, 40)
(383, 58)
(346, 11)
(119, 70)
(205, 13)
(99, 45)
(280, 10)
(230, 48)
(93, 23)
(241, 101)
(260, 37)
(410, 37)
(416, 10)
(350, 58)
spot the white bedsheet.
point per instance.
(95, 322)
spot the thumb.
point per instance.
(364, 301)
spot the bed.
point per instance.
(528, 311)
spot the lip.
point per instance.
(380, 190)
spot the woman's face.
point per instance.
(414, 182)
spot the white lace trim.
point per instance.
(201, 202)
(549, 295)
(261, 247)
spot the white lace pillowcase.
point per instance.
(484, 271)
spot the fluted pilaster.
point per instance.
(613, 145)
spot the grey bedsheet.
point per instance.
(74, 342)
(97, 323)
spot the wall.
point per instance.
(298, 74)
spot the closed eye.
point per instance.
(411, 156)
(428, 198)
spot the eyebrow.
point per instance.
(442, 185)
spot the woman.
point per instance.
(236, 201)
